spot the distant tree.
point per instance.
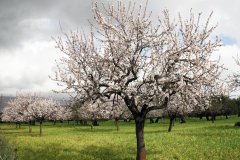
(235, 82)
(1, 100)
(1, 105)
(177, 108)
(44, 109)
(16, 109)
(155, 114)
(143, 62)
(27, 107)
(237, 102)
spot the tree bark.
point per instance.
(117, 123)
(151, 120)
(141, 151)
(95, 122)
(30, 126)
(171, 123)
(157, 120)
(207, 117)
(226, 116)
(213, 118)
(41, 128)
(182, 119)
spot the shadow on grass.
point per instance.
(114, 131)
(221, 127)
(2, 129)
(95, 129)
(214, 131)
(56, 151)
(102, 153)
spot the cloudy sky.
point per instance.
(27, 49)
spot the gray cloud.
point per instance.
(26, 28)
(27, 19)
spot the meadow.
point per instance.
(196, 139)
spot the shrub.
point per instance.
(237, 124)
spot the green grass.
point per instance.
(196, 139)
(6, 151)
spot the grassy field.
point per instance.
(196, 139)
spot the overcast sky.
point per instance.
(27, 50)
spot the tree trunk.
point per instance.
(226, 116)
(95, 122)
(33, 123)
(81, 122)
(117, 123)
(182, 119)
(213, 118)
(41, 128)
(207, 117)
(171, 123)
(151, 120)
(157, 120)
(141, 151)
(30, 126)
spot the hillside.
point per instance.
(4, 100)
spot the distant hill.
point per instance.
(3, 101)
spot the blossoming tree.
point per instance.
(16, 110)
(145, 63)
(27, 107)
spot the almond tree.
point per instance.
(117, 110)
(27, 107)
(155, 114)
(16, 110)
(177, 107)
(235, 81)
(102, 109)
(43, 109)
(144, 62)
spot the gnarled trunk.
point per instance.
(141, 151)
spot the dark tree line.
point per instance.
(221, 106)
